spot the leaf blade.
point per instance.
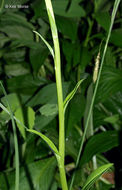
(46, 139)
(46, 43)
(71, 94)
(95, 175)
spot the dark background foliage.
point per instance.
(27, 72)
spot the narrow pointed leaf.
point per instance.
(95, 175)
(71, 94)
(46, 43)
(46, 139)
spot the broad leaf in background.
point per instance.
(49, 109)
(112, 119)
(3, 40)
(42, 121)
(32, 176)
(25, 84)
(101, 5)
(116, 37)
(75, 9)
(15, 55)
(67, 26)
(37, 57)
(16, 70)
(95, 176)
(13, 101)
(114, 104)
(100, 143)
(103, 18)
(17, 32)
(110, 83)
(11, 18)
(47, 95)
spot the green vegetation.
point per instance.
(64, 109)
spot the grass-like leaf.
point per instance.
(46, 139)
(46, 43)
(71, 94)
(95, 176)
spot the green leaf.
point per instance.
(27, 117)
(110, 83)
(75, 112)
(75, 9)
(8, 112)
(71, 94)
(46, 139)
(10, 18)
(103, 18)
(116, 37)
(17, 32)
(42, 121)
(48, 95)
(49, 109)
(40, 172)
(3, 40)
(15, 70)
(112, 119)
(15, 139)
(100, 143)
(95, 175)
(46, 43)
(68, 27)
(39, 54)
(20, 117)
(15, 55)
(25, 84)
(114, 104)
(13, 101)
(30, 117)
(101, 5)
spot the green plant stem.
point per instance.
(89, 32)
(61, 112)
(15, 142)
(57, 63)
(116, 4)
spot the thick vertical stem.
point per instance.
(57, 62)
